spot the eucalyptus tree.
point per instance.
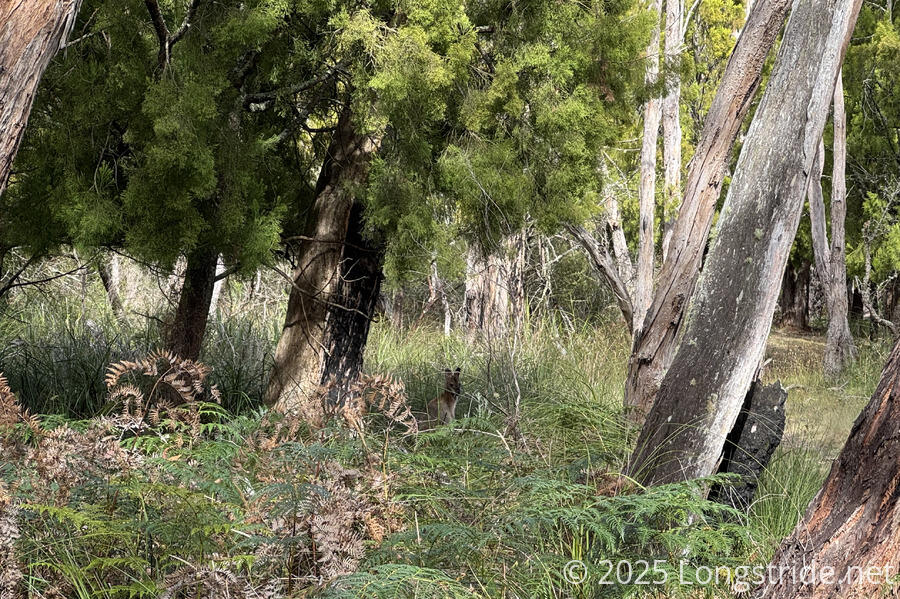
(731, 310)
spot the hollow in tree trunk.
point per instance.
(655, 343)
(731, 310)
(851, 524)
(30, 35)
(185, 333)
(301, 351)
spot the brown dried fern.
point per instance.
(159, 387)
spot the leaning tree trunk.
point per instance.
(731, 311)
(851, 524)
(643, 287)
(300, 354)
(186, 331)
(353, 307)
(671, 121)
(30, 35)
(654, 345)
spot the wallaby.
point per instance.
(442, 409)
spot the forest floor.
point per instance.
(226, 495)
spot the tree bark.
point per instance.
(643, 289)
(794, 297)
(30, 35)
(671, 121)
(751, 444)
(487, 292)
(353, 305)
(185, 333)
(731, 311)
(654, 346)
(217, 286)
(839, 347)
(108, 269)
(300, 353)
(851, 524)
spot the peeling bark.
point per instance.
(655, 344)
(731, 311)
(851, 524)
(30, 35)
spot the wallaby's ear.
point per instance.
(457, 370)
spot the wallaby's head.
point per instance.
(451, 382)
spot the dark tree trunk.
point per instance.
(655, 339)
(30, 35)
(301, 351)
(731, 311)
(185, 334)
(354, 302)
(852, 521)
(794, 298)
(751, 444)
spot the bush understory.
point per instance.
(109, 489)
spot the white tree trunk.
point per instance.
(671, 122)
(654, 347)
(643, 292)
(731, 310)
(839, 347)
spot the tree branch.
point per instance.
(185, 24)
(162, 32)
(603, 263)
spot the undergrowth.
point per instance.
(201, 492)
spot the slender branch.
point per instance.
(269, 96)
(185, 24)
(603, 263)
(296, 287)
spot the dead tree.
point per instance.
(654, 343)
(643, 288)
(731, 310)
(830, 259)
